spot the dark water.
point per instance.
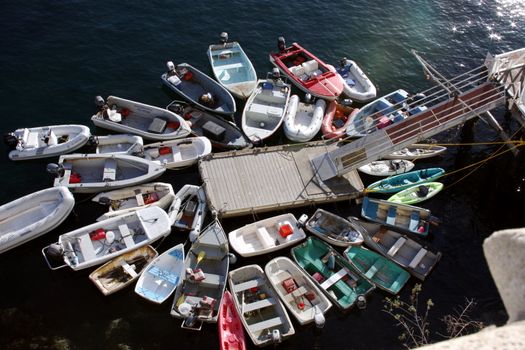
(56, 56)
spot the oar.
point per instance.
(201, 256)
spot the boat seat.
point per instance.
(272, 96)
(157, 126)
(230, 66)
(310, 66)
(86, 247)
(417, 259)
(164, 275)
(211, 280)
(32, 140)
(127, 236)
(139, 198)
(259, 326)
(333, 279)
(297, 70)
(247, 285)
(391, 217)
(264, 237)
(110, 170)
(259, 304)
(290, 297)
(128, 269)
(263, 112)
(414, 221)
(374, 268)
(393, 249)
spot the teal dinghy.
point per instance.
(417, 193)
(399, 182)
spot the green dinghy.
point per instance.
(417, 193)
(399, 182)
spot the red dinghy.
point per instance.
(308, 72)
(336, 120)
(231, 333)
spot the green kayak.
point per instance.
(417, 193)
(400, 182)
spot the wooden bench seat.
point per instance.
(273, 322)
(247, 285)
(259, 304)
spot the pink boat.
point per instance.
(336, 120)
(231, 333)
(308, 72)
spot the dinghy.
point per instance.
(104, 240)
(401, 249)
(232, 67)
(89, 173)
(123, 270)
(336, 119)
(199, 89)
(417, 193)
(417, 151)
(307, 72)
(231, 333)
(333, 229)
(303, 120)
(262, 313)
(402, 181)
(45, 141)
(300, 295)
(188, 210)
(130, 117)
(264, 111)
(128, 199)
(223, 134)
(175, 154)
(116, 144)
(265, 236)
(387, 167)
(162, 275)
(198, 297)
(357, 85)
(33, 215)
(399, 216)
(332, 273)
(381, 271)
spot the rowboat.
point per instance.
(232, 67)
(265, 236)
(331, 272)
(417, 151)
(231, 333)
(115, 144)
(162, 275)
(401, 249)
(222, 134)
(357, 85)
(400, 216)
(298, 293)
(123, 270)
(131, 117)
(262, 313)
(336, 120)
(417, 193)
(176, 154)
(333, 229)
(188, 210)
(303, 120)
(384, 273)
(307, 72)
(199, 89)
(45, 141)
(387, 167)
(264, 111)
(402, 181)
(89, 173)
(198, 297)
(128, 199)
(33, 215)
(101, 241)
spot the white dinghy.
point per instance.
(303, 120)
(116, 144)
(357, 85)
(33, 215)
(417, 151)
(150, 122)
(300, 295)
(387, 167)
(128, 199)
(104, 240)
(266, 235)
(174, 154)
(188, 210)
(89, 173)
(45, 141)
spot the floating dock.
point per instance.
(266, 179)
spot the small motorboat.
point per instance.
(262, 313)
(264, 111)
(45, 141)
(387, 167)
(33, 215)
(417, 151)
(303, 120)
(223, 134)
(130, 117)
(188, 210)
(300, 295)
(115, 144)
(231, 333)
(265, 236)
(357, 85)
(232, 67)
(122, 271)
(89, 173)
(336, 119)
(307, 72)
(333, 229)
(199, 89)
(176, 154)
(128, 199)
(101, 241)
(417, 193)
(162, 275)
(403, 181)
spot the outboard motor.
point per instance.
(224, 37)
(281, 43)
(232, 257)
(10, 140)
(55, 253)
(104, 201)
(170, 66)
(276, 336)
(361, 302)
(55, 169)
(342, 62)
(319, 318)
(308, 98)
(92, 141)
(99, 102)
(346, 102)
(275, 73)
